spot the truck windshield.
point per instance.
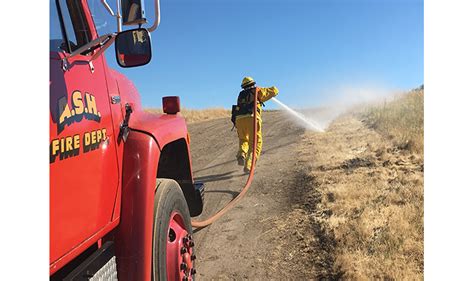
(68, 26)
(104, 22)
(55, 35)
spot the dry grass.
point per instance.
(401, 120)
(195, 115)
(369, 190)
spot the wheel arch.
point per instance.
(175, 163)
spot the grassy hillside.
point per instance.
(401, 120)
(364, 191)
(193, 115)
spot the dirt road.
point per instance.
(246, 243)
(261, 237)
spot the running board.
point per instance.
(101, 265)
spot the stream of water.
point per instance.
(310, 124)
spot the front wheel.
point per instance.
(173, 253)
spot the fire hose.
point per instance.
(231, 204)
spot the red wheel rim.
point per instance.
(179, 250)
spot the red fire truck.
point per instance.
(121, 184)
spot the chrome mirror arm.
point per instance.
(118, 15)
(102, 41)
(107, 7)
(104, 47)
(157, 17)
(98, 41)
(119, 18)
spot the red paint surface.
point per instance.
(83, 188)
(134, 234)
(164, 128)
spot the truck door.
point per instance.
(83, 161)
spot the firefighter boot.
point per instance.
(240, 160)
(248, 164)
(247, 169)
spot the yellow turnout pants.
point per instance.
(244, 127)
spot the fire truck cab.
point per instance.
(121, 184)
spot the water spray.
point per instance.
(309, 123)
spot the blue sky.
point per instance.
(308, 49)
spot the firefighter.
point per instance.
(244, 119)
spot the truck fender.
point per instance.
(171, 134)
(134, 233)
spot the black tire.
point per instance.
(169, 198)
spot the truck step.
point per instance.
(101, 265)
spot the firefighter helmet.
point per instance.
(247, 81)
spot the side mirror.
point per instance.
(133, 12)
(133, 47)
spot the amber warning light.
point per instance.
(171, 105)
